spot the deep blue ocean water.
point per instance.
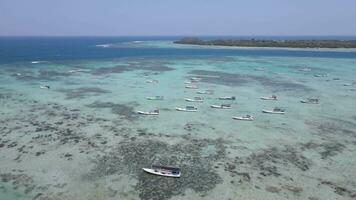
(16, 49)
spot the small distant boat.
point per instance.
(206, 92)
(155, 98)
(347, 84)
(274, 111)
(163, 171)
(273, 97)
(38, 61)
(227, 98)
(195, 79)
(191, 86)
(245, 118)
(305, 69)
(320, 75)
(195, 99)
(222, 106)
(152, 81)
(45, 87)
(311, 101)
(187, 82)
(188, 109)
(153, 112)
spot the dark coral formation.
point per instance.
(124, 110)
(82, 92)
(197, 171)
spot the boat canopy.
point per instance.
(166, 168)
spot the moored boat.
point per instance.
(45, 87)
(274, 111)
(163, 171)
(273, 97)
(206, 92)
(188, 109)
(245, 118)
(195, 99)
(311, 101)
(191, 86)
(155, 98)
(227, 98)
(222, 106)
(153, 112)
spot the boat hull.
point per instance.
(185, 110)
(146, 113)
(273, 112)
(243, 118)
(160, 173)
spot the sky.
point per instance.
(177, 17)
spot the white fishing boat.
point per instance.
(222, 106)
(206, 92)
(195, 99)
(227, 98)
(274, 111)
(273, 97)
(245, 118)
(163, 171)
(155, 98)
(321, 75)
(45, 87)
(188, 109)
(311, 101)
(153, 112)
(191, 86)
(187, 82)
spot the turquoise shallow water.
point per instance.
(82, 138)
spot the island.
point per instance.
(270, 43)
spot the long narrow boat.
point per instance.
(245, 118)
(163, 171)
(273, 97)
(206, 92)
(188, 109)
(153, 112)
(155, 98)
(227, 98)
(274, 111)
(191, 86)
(222, 106)
(311, 101)
(195, 99)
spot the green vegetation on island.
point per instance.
(270, 43)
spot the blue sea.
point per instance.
(69, 127)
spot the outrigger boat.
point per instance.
(163, 171)
(206, 92)
(311, 101)
(195, 99)
(155, 98)
(273, 97)
(227, 98)
(191, 86)
(245, 118)
(153, 112)
(222, 106)
(188, 109)
(274, 111)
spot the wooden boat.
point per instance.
(163, 171)
(191, 87)
(206, 92)
(153, 112)
(274, 111)
(188, 109)
(311, 101)
(273, 97)
(222, 106)
(227, 98)
(155, 98)
(195, 99)
(245, 118)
